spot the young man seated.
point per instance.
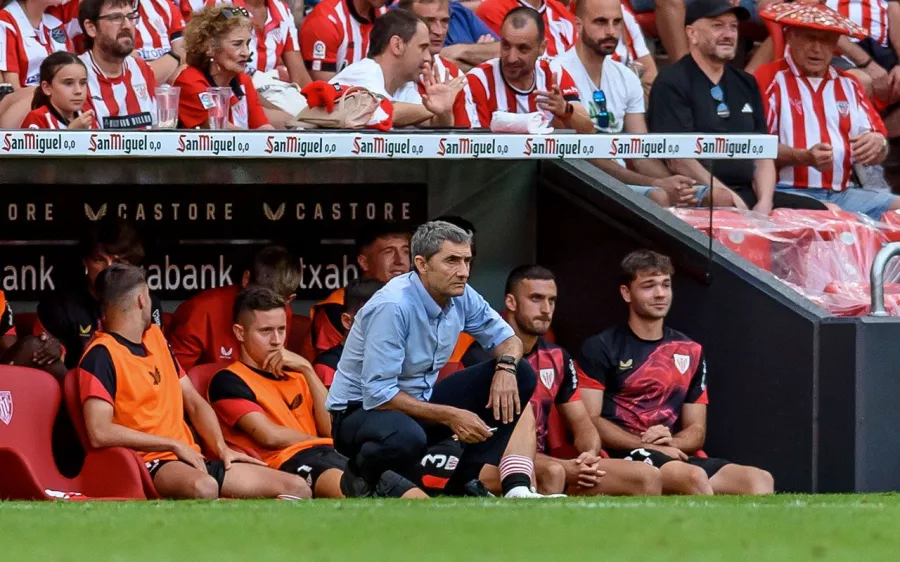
(136, 395)
(271, 402)
(653, 408)
(530, 303)
(356, 294)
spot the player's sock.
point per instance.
(515, 471)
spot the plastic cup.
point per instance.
(167, 106)
(221, 104)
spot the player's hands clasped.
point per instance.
(657, 435)
(589, 473)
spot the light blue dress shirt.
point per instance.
(401, 338)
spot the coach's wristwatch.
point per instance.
(507, 360)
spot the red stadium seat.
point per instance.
(300, 341)
(73, 405)
(201, 375)
(25, 322)
(29, 403)
(167, 321)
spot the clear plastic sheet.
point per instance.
(826, 256)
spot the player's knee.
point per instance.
(405, 445)
(761, 482)
(552, 478)
(204, 488)
(659, 197)
(696, 481)
(526, 380)
(293, 485)
(647, 480)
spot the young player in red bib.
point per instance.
(653, 407)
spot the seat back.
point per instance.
(25, 322)
(73, 406)
(201, 375)
(29, 402)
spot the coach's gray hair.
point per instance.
(428, 238)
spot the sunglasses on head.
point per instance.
(234, 12)
(602, 115)
(719, 96)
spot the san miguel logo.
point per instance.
(210, 144)
(36, 142)
(292, 144)
(465, 146)
(721, 146)
(556, 147)
(382, 146)
(637, 146)
(122, 143)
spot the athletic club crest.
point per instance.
(682, 362)
(6, 406)
(140, 91)
(843, 108)
(797, 105)
(547, 377)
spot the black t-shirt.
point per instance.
(681, 102)
(646, 382)
(72, 317)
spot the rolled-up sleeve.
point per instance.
(483, 323)
(386, 332)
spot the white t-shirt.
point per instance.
(621, 86)
(366, 73)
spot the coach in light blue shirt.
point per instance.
(389, 410)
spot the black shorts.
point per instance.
(311, 463)
(657, 459)
(216, 469)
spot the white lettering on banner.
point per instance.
(251, 144)
(29, 212)
(170, 277)
(28, 277)
(327, 276)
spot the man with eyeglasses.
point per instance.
(613, 96)
(121, 86)
(702, 93)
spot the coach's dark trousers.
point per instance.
(379, 440)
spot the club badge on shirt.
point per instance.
(58, 35)
(682, 362)
(547, 377)
(206, 101)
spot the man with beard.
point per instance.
(653, 408)
(136, 395)
(613, 95)
(702, 92)
(530, 303)
(399, 54)
(529, 83)
(121, 87)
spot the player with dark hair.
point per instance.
(271, 402)
(201, 327)
(136, 395)
(357, 293)
(531, 296)
(653, 408)
(71, 316)
(382, 252)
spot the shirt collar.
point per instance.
(540, 10)
(432, 309)
(830, 75)
(234, 84)
(355, 15)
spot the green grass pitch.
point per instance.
(785, 527)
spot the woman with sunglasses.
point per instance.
(217, 42)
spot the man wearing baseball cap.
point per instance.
(702, 93)
(824, 121)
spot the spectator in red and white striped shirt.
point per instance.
(275, 38)
(559, 23)
(436, 14)
(61, 95)
(520, 81)
(823, 119)
(122, 87)
(29, 31)
(336, 34)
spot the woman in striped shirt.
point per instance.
(61, 94)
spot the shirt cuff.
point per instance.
(382, 396)
(504, 334)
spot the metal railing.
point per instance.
(876, 276)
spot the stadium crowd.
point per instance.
(406, 384)
(456, 63)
